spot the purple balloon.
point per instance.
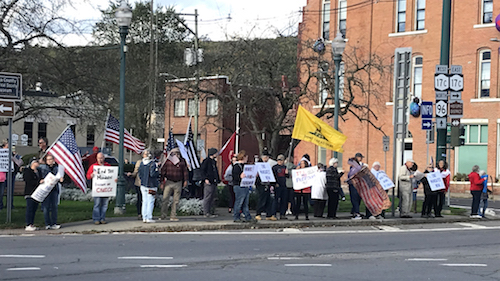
(497, 22)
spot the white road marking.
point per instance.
(472, 225)
(464, 264)
(284, 258)
(163, 265)
(145, 258)
(292, 230)
(23, 256)
(425, 259)
(22, 268)
(387, 228)
(307, 264)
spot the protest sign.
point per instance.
(4, 160)
(435, 181)
(265, 172)
(303, 178)
(50, 180)
(103, 182)
(385, 181)
(250, 176)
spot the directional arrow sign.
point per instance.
(455, 122)
(455, 95)
(426, 124)
(440, 123)
(6, 108)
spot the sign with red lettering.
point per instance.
(104, 181)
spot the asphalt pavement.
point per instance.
(431, 251)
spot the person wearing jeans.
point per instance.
(210, 180)
(32, 180)
(241, 193)
(149, 175)
(49, 205)
(476, 188)
(100, 203)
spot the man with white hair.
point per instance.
(405, 188)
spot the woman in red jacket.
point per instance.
(476, 187)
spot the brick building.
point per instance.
(379, 27)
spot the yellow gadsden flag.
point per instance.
(310, 128)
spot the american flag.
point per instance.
(112, 134)
(171, 144)
(191, 148)
(66, 153)
(370, 190)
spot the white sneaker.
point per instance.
(372, 218)
(476, 217)
(357, 217)
(288, 212)
(150, 221)
(55, 226)
(47, 227)
(30, 228)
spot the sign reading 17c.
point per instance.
(441, 82)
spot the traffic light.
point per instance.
(457, 136)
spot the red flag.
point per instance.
(227, 151)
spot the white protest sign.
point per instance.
(303, 178)
(103, 182)
(435, 181)
(50, 180)
(385, 181)
(4, 160)
(265, 172)
(250, 176)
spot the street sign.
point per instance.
(455, 122)
(426, 109)
(457, 109)
(441, 82)
(426, 124)
(455, 95)
(11, 86)
(456, 69)
(24, 137)
(7, 108)
(385, 142)
(441, 95)
(15, 137)
(457, 82)
(441, 68)
(441, 109)
(441, 123)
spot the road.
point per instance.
(458, 251)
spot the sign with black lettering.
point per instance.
(104, 181)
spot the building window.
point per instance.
(212, 106)
(326, 20)
(109, 147)
(191, 108)
(401, 18)
(73, 128)
(28, 130)
(475, 150)
(487, 11)
(179, 108)
(322, 158)
(343, 17)
(42, 130)
(420, 15)
(417, 77)
(90, 135)
(484, 74)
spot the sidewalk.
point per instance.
(225, 222)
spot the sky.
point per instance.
(218, 19)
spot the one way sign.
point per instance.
(426, 124)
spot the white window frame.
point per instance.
(480, 73)
(212, 106)
(416, 14)
(467, 133)
(324, 15)
(179, 108)
(483, 12)
(413, 77)
(342, 17)
(322, 152)
(398, 2)
(191, 107)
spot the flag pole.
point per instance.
(290, 150)
(50, 147)
(105, 126)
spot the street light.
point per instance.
(338, 46)
(123, 17)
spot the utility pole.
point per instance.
(196, 94)
(444, 60)
(151, 76)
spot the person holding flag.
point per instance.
(174, 177)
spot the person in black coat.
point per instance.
(333, 188)
(32, 179)
(430, 200)
(210, 178)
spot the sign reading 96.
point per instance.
(441, 108)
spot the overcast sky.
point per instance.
(256, 18)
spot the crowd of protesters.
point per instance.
(277, 200)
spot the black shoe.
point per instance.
(307, 218)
